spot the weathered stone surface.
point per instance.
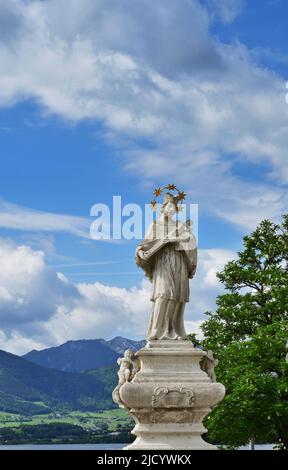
(169, 397)
(162, 385)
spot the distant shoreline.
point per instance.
(103, 446)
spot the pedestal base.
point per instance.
(168, 437)
(169, 397)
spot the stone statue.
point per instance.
(168, 256)
(162, 385)
(208, 365)
(129, 366)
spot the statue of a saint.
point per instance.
(168, 256)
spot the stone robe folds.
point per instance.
(171, 259)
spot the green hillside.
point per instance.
(28, 389)
(107, 375)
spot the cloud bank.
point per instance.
(15, 217)
(40, 307)
(153, 70)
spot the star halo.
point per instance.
(171, 187)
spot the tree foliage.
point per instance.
(194, 340)
(248, 334)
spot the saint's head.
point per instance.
(170, 205)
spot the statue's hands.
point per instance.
(172, 239)
(186, 237)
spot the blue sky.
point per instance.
(118, 99)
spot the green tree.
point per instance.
(194, 340)
(248, 334)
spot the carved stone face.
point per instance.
(169, 209)
(128, 353)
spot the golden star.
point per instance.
(154, 205)
(157, 192)
(181, 196)
(171, 187)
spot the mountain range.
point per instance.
(78, 375)
(27, 388)
(83, 355)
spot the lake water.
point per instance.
(97, 447)
(64, 447)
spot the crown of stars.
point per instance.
(170, 187)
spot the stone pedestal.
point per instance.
(169, 397)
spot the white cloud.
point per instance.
(227, 10)
(40, 307)
(13, 216)
(30, 291)
(105, 311)
(205, 286)
(153, 70)
(18, 344)
(194, 326)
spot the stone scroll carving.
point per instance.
(172, 397)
